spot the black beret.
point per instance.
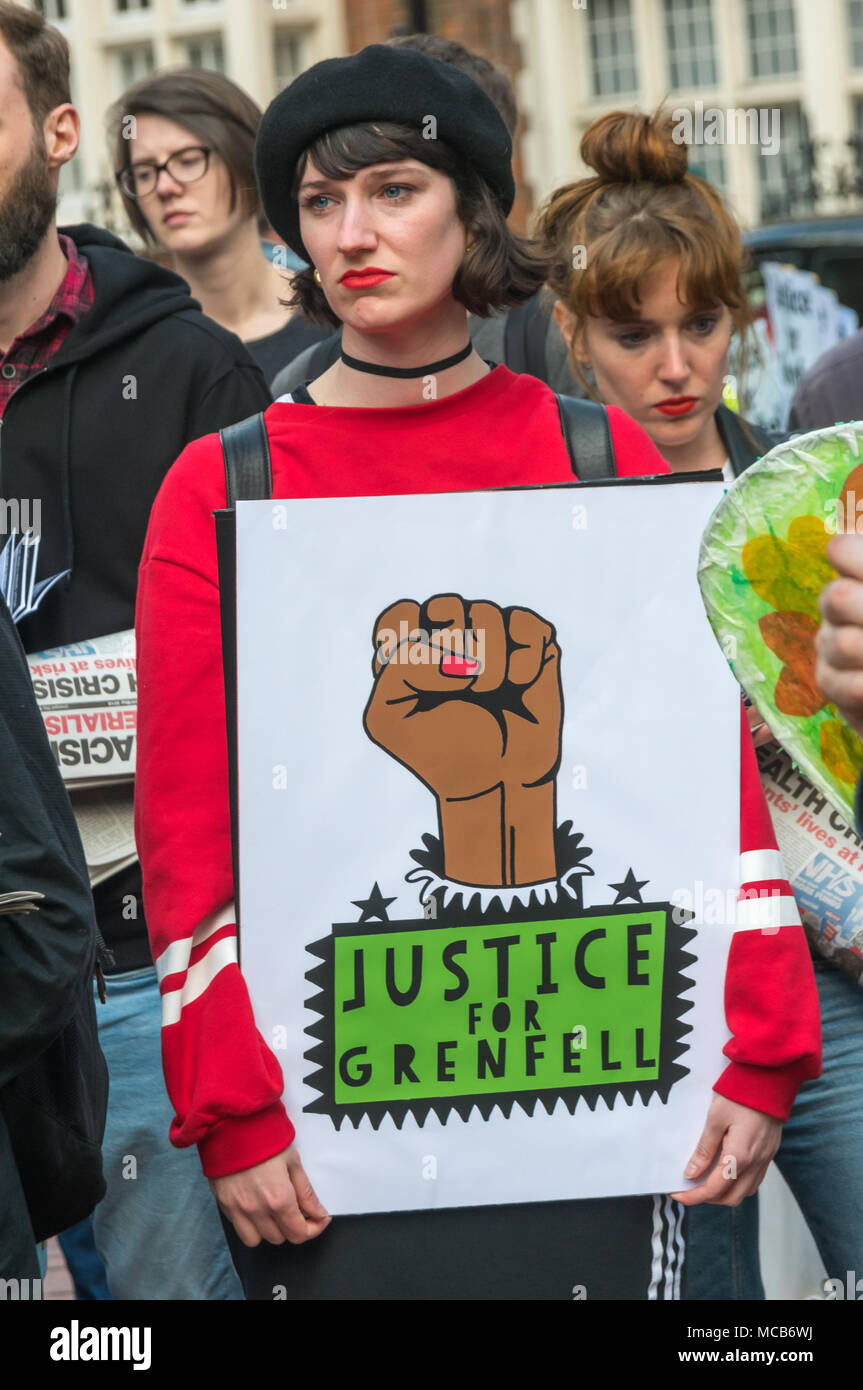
(377, 84)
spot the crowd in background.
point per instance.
(211, 328)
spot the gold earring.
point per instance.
(318, 280)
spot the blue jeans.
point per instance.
(83, 1262)
(821, 1159)
(157, 1229)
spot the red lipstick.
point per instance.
(677, 405)
(362, 279)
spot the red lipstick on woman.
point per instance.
(361, 279)
(677, 405)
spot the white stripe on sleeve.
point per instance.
(758, 864)
(198, 979)
(767, 913)
(175, 957)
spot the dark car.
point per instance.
(832, 247)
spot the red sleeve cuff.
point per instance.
(244, 1140)
(771, 1090)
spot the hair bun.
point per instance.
(631, 147)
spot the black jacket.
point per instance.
(92, 435)
(53, 1082)
(746, 443)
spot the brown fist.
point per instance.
(468, 697)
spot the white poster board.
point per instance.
(611, 1053)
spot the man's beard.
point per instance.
(26, 212)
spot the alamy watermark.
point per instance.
(418, 647)
(844, 516)
(20, 516)
(746, 908)
(737, 125)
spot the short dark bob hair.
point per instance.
(503, 268)
(212, 108)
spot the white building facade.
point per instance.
(800, 58)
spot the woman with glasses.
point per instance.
(183, 149)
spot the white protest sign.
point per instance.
(806, 320)
(487, 741)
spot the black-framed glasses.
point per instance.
(186, 166)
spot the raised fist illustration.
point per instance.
(468, 697)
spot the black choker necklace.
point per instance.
(360, 366)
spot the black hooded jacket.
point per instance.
(53, 1082)
(91, 436)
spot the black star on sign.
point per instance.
(375, 905)
(630, 888)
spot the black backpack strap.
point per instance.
(588, 438)
(248, 473)
(248, 477)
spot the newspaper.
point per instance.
(87, 696)
(823, 857)
(105, 817)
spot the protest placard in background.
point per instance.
(804, 319)
(448, 1034)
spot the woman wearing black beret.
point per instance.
(390, 172)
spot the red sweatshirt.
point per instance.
(223, 1080)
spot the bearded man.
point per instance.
(107, 370)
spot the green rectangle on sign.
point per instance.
(432, 1012)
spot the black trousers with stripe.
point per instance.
(618, 1248)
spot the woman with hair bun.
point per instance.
(650, 316)
(649, 320)
(404, 235)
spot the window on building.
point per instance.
(787, 179)
(612, 47)
(690, 43)
(53, 9)
(709, 162)
(289, 56)
(855, 32)
(772, 37)
(134, 62)
(205, 51)
(125, 6)
(855, 144)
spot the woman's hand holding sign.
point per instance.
(272, 1201)
(742, 1143)
(468, 697)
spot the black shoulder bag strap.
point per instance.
(588, 438)
(248, 473)
(248, 477)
